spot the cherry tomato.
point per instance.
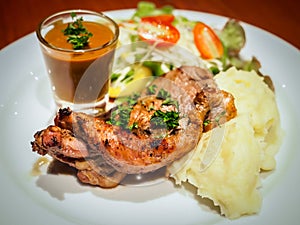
(165, 19)
(207, 42)
(158, 29)
(158, 32)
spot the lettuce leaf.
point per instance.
(145, 8)
(233, 37)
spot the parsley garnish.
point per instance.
(169, 119)
(121, 114)
(130, 100)
(170, 101)
(77, 34)
(134, 126)
(151, 89)
(216, 120)
(206, 122)
(163, 94)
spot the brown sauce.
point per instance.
(67, 68)
(101, 35)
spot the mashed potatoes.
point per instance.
(226, 168)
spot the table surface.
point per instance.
(280, 17)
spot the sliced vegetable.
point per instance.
(158, 68)
(132, 80)
(165, 19)
(160, 25)
(158, 32)
(207, 41)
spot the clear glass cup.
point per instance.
(79, 77)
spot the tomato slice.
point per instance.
(158, 29)
(165, 19)
(207, 42)
(158, 32)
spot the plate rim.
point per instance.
(116, 11)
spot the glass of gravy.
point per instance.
(78, 48)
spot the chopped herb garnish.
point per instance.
(121, 114)
(163, 94)
(216, 120)
(78, 42)
(134, 126)
(169, 119)
(206, 122)
(170, 101)
(151, 90)
(129, 100)
(77, 34)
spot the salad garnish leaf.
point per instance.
(233, 37)
(158, 68)
(246, 65)
(145, 8)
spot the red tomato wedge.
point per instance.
(165, 19)
(207, 42)
(158, 29)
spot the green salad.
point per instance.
(218, 49)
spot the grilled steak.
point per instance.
(144, 132)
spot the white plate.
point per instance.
(26, 106)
